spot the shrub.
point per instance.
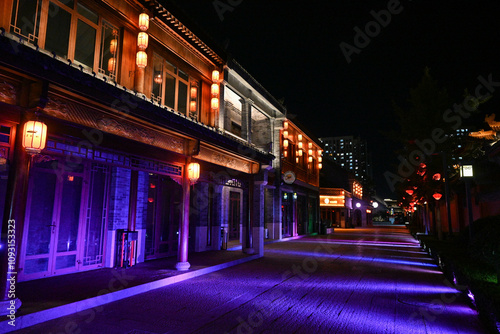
(485, 245)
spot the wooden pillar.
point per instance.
(15, 207)
(182, 254)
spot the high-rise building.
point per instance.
(350, 153)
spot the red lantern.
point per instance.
(409, 192)
(436, 177)
(437, 196)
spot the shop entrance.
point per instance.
(65, 219)
(234, 215)
(163, 216)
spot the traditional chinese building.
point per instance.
(301, 161)
(113, 129)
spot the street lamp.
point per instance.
(467, 173)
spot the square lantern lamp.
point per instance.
(34, 137)
(466, 171)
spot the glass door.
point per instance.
(163, 216)
(52, 220)
(234, 215)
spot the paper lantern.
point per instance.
(141, 59)
(437, 196)
(144, 22)
(111, 64)
(158, 79)
(215, 90)
(285, 143)
(142, 40)
(194, 92)
(34, 136)
(192, 106)
(214, 103)
(113, 45)
(285, 134)
(193, 171)
(215, 76)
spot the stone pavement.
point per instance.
(356, 281)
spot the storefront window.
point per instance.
(170, 85)
(233, 107)
(60, 21)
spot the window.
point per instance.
(4, 134)
(233, 106)
(69, 29)
(261, 129)
(170, 87)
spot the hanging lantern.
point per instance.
(111, 65)
(285, 153)
(141, 59)
(285, 134)
(409, 192)
(436, 177)
(310, 159)
(285, 143)
(215, 90)
(296, 160)
(194, 92)
(437, 196)
(320, 159)
(215, 76)
(192, 106)
(310, 145)
(285, 125)
(113, 45)
(310, 152)
(215, 103)
(193, 170)
(320, 165)
(144, 22)
(300, 145)
(150, 200)
(142, 40)
(300, 137)
(158, 79)
(300, 153)
(34, 136)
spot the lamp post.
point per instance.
(467, 173)
(437, 215)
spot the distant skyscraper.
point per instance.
(350, 153)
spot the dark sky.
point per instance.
(293, 49)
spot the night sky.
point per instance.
(293, 49)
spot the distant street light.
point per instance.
(467, 173)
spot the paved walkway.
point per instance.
(356, 281)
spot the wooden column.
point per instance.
(182, 253)
(15, 206)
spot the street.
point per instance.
(371, 280)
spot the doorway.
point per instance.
(65, 220)
(234, 215)
(163, 216)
